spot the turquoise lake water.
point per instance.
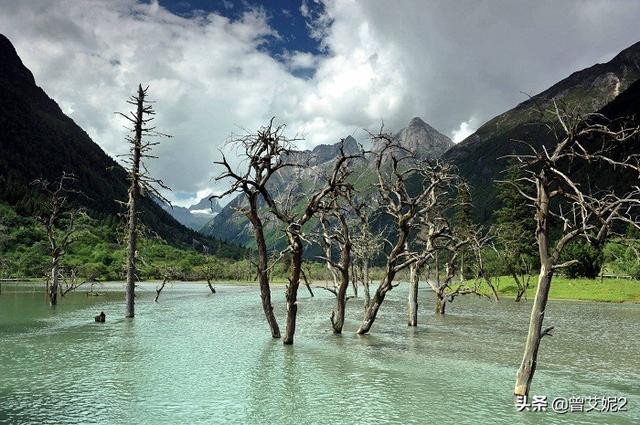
(196, 357)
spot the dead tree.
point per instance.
(60, 220)
(264, 154)
(160, 288)
(71, 282)
(441, 287)
(412, 303)
(354, 278)
(479, 243)
(294, 210)
(580, 209)
(306, 281)
(209, 270)
(326, 243)
(481, 285)
(437, 235)
(339, 233)
(442, 243)
(169, 274)
(404, 207)
(209, 276)
(366, 245)
(140, 181)
(522, 280)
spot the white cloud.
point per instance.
(301, 60)
(211, 76)
(465, 130)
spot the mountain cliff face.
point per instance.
(422, 139)
(37, 140)
(478, 157)
(206, 204)
(197, 215)
(315, 163)
(418, 137)
(323, 154)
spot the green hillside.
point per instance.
(38, 141)
(478, 156)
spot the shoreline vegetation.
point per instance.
(607, 290)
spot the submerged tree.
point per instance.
(449, 246)
(334, 216)
(140, 181)
(169, 274)
(60, 219)
(434, 234)
(294, 209)
(580, 209)
(327, 242)
(263, 154)
(210, 268)
(366, 245)
(404, 206)
(71, 281)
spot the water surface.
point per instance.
(195, 357)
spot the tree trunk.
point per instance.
(159, 290)
(528, 366)
(53, 285)
(309, 288)
(337, 317)
(372, 312)
(375, 303)
(295, 244)
(354, 279)
(210, 285)
(413, 296)
(520, 285)
(494, 290)
(365, 284)
(134, 194)
(328, 252)
(519, 293)
(441, 301)
(332, 272)
(132, 247)
(386, 284)
(262, 267)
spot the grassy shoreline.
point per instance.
(593, 290)
(562, 289)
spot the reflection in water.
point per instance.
(197, 358)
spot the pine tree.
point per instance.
(463, 221)
(515, 229)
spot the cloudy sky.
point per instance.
(325, 68)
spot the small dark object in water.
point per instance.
(100, 318)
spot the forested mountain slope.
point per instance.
(478, 156)
(37, 140)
